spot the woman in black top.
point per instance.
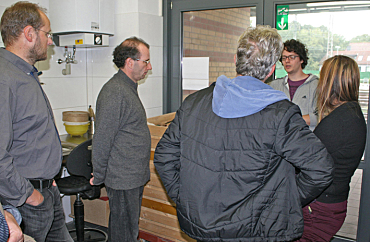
(342, 129)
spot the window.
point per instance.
(321, 30)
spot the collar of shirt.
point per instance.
(127, 79)
(17, 61)
(35, 72)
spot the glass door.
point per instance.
(200, 43)
(209, 41)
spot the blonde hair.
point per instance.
(339, 83)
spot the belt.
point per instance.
(41, 183)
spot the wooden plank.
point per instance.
(152, 150)
(158, 205)
(154, 237)
(157, 131)
(155, 181)
(151, 237)
(163, 231)
(152, 167)
(155, 141)
(153, 171)
(157, 193)
(162, 120)
(160, 217)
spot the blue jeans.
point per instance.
(125, 206)
(46, 222)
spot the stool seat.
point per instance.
(71, 185)
(79, 166)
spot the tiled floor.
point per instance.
(349, 228)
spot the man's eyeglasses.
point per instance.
(290, 57)
(48, 34)
(145, 61)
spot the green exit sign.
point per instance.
(282, 13)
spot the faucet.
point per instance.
(69, 59)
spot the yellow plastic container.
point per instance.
(76, 130)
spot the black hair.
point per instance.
(298, 48)
(127, 49)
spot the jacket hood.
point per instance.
(242, 96)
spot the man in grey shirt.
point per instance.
(30, 149)
(121, 144)
(297, 85)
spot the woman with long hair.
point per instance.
(342, 129)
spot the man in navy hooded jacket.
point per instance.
(228, 158)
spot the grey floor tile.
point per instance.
(349, 229)
(351, 219)
(346, 235)
(354, 203)
(352, 211)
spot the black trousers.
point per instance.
(125, 206)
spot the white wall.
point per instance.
(142, 18)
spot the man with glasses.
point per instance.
(298, 86)
(30, 149)
(121, 144)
